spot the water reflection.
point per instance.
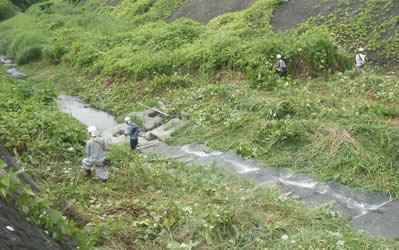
(74, 106)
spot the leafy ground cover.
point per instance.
(359, 23)
(33, 128)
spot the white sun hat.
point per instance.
(92, 130)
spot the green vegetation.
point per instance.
(38, 209)
(353, 140)
(143, 11)
(325, 119)
(38, 133)
(151, 202)
(31, 124)
(7, 9)
(117, 62)
(24, 4)
(359, 23)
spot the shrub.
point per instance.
(314, 53)
(54, 52)
(174, 35)
(84, 55)
(261, 75)
(215, 52)
(27, 46)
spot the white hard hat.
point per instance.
(361, 49)
(92, 130)
(127, 119)
(278, 56)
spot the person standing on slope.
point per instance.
(360, 61)
(132, 130)
(95, 148)
(281, 68)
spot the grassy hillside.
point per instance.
(150, 202)
(296, 123)
(325, 119)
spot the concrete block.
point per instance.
(165, 131)
(15, 74)
(149, 118)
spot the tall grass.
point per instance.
(24, 43)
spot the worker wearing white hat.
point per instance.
(281, 68)
(95, 148)
(132, 131)
(360, 61)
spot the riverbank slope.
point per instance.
(325, 119)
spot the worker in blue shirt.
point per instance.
(132, 130)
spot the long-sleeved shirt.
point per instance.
(132, 130)
(95, 153)
(360, 59)
(281, 64)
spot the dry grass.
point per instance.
(393, 123)
(333, 137)
(340, 137)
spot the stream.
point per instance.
(84, 113)
(373, 212)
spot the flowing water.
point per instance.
(84, 113)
